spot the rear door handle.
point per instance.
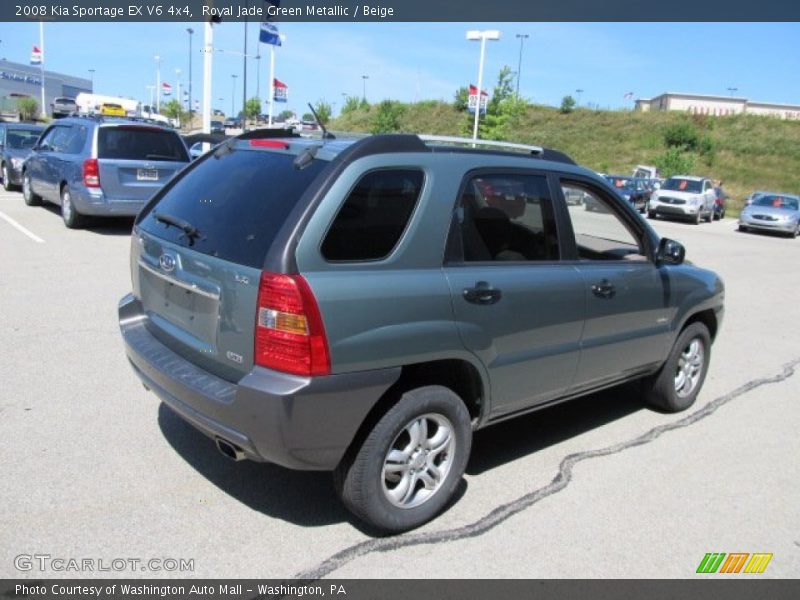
(482, 293)
(604, 289)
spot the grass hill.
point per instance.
(746, 152)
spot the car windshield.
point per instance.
(677, 184)
(21, 139)
(776, 201)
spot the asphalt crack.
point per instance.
(557, 484)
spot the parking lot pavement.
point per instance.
(94, 468)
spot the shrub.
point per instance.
(681, 135)
(28, 108)
(675, 161)
(387, 117)
(567, 104)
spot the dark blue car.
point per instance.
(16, 142)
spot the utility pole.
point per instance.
(522, 37)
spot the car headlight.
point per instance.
(17, 162)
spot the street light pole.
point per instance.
(91, 75)
(522, 37)
(158, 83)
(732, 90)
(190, 31)
(578, 93)
(364, 94)
(233, 96)
(482, 36)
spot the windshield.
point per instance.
(237, 202)
(677, 184)
(776, 201)
(22, 139)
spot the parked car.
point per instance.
(64, 107)
(325, 307)
(109, 109)
(16, 142)
(632, 189)
(685, 197)
(720, 203)
(101, 167)
(217, 126)
(772, 211)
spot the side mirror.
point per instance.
(670, 252)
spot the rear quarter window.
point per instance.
(374, 216)
(140, 143)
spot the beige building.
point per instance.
(704, 104)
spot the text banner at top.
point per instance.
(334, 11)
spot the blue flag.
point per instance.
(269, 34)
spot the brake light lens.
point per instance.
(91, 173)
(290, 334)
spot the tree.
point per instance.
(285, 115)
(351, 104)
(174, 110)
(324, 111)
(387, 117)
(308, 116)
(461, 100)
(252, 108)
(503, 89)
(567, 104)
(28, 108)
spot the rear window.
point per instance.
(238, 202)
(140, 143)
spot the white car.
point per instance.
(683, 196)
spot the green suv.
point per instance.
(363, 306)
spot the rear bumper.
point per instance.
(297, 422)
(96, 203)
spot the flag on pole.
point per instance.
(269, 34)
(473, 99)
(628, 95)
(281, 91)
(36, 56)
(166, 89)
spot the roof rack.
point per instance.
(538, 150)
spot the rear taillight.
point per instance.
(290, 335)
(91, 173)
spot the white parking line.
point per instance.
(20, 228)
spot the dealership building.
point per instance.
(19, 80)
(703, 104)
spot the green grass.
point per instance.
(752, 152)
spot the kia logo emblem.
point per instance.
(167, 262)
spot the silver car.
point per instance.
(772, 212)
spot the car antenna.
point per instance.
(326, 135)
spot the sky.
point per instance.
(418, 61)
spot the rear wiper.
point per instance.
(189, 231)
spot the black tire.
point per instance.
(7, 186)
(70, 215)
(651, 214)
(743, 228)
(362, 482)
(710, 216)
(696, 219)
(660, 389)
(30, 198)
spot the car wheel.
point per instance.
(408, 467)
(31, 199)
(710, 216)
(743, 228)
(676, 385)
(6, 179)
(72, 218)
(696, 219)
(796, 231)
(651, 214)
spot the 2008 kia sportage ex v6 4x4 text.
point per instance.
(364, 306)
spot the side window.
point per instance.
(600, 233)
(74, 141)
(507, 217)
(61, 139)
(374, 216)
(47, 137)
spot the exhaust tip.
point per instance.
(230, 450)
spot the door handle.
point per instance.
(482, 293)
(604, 289)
